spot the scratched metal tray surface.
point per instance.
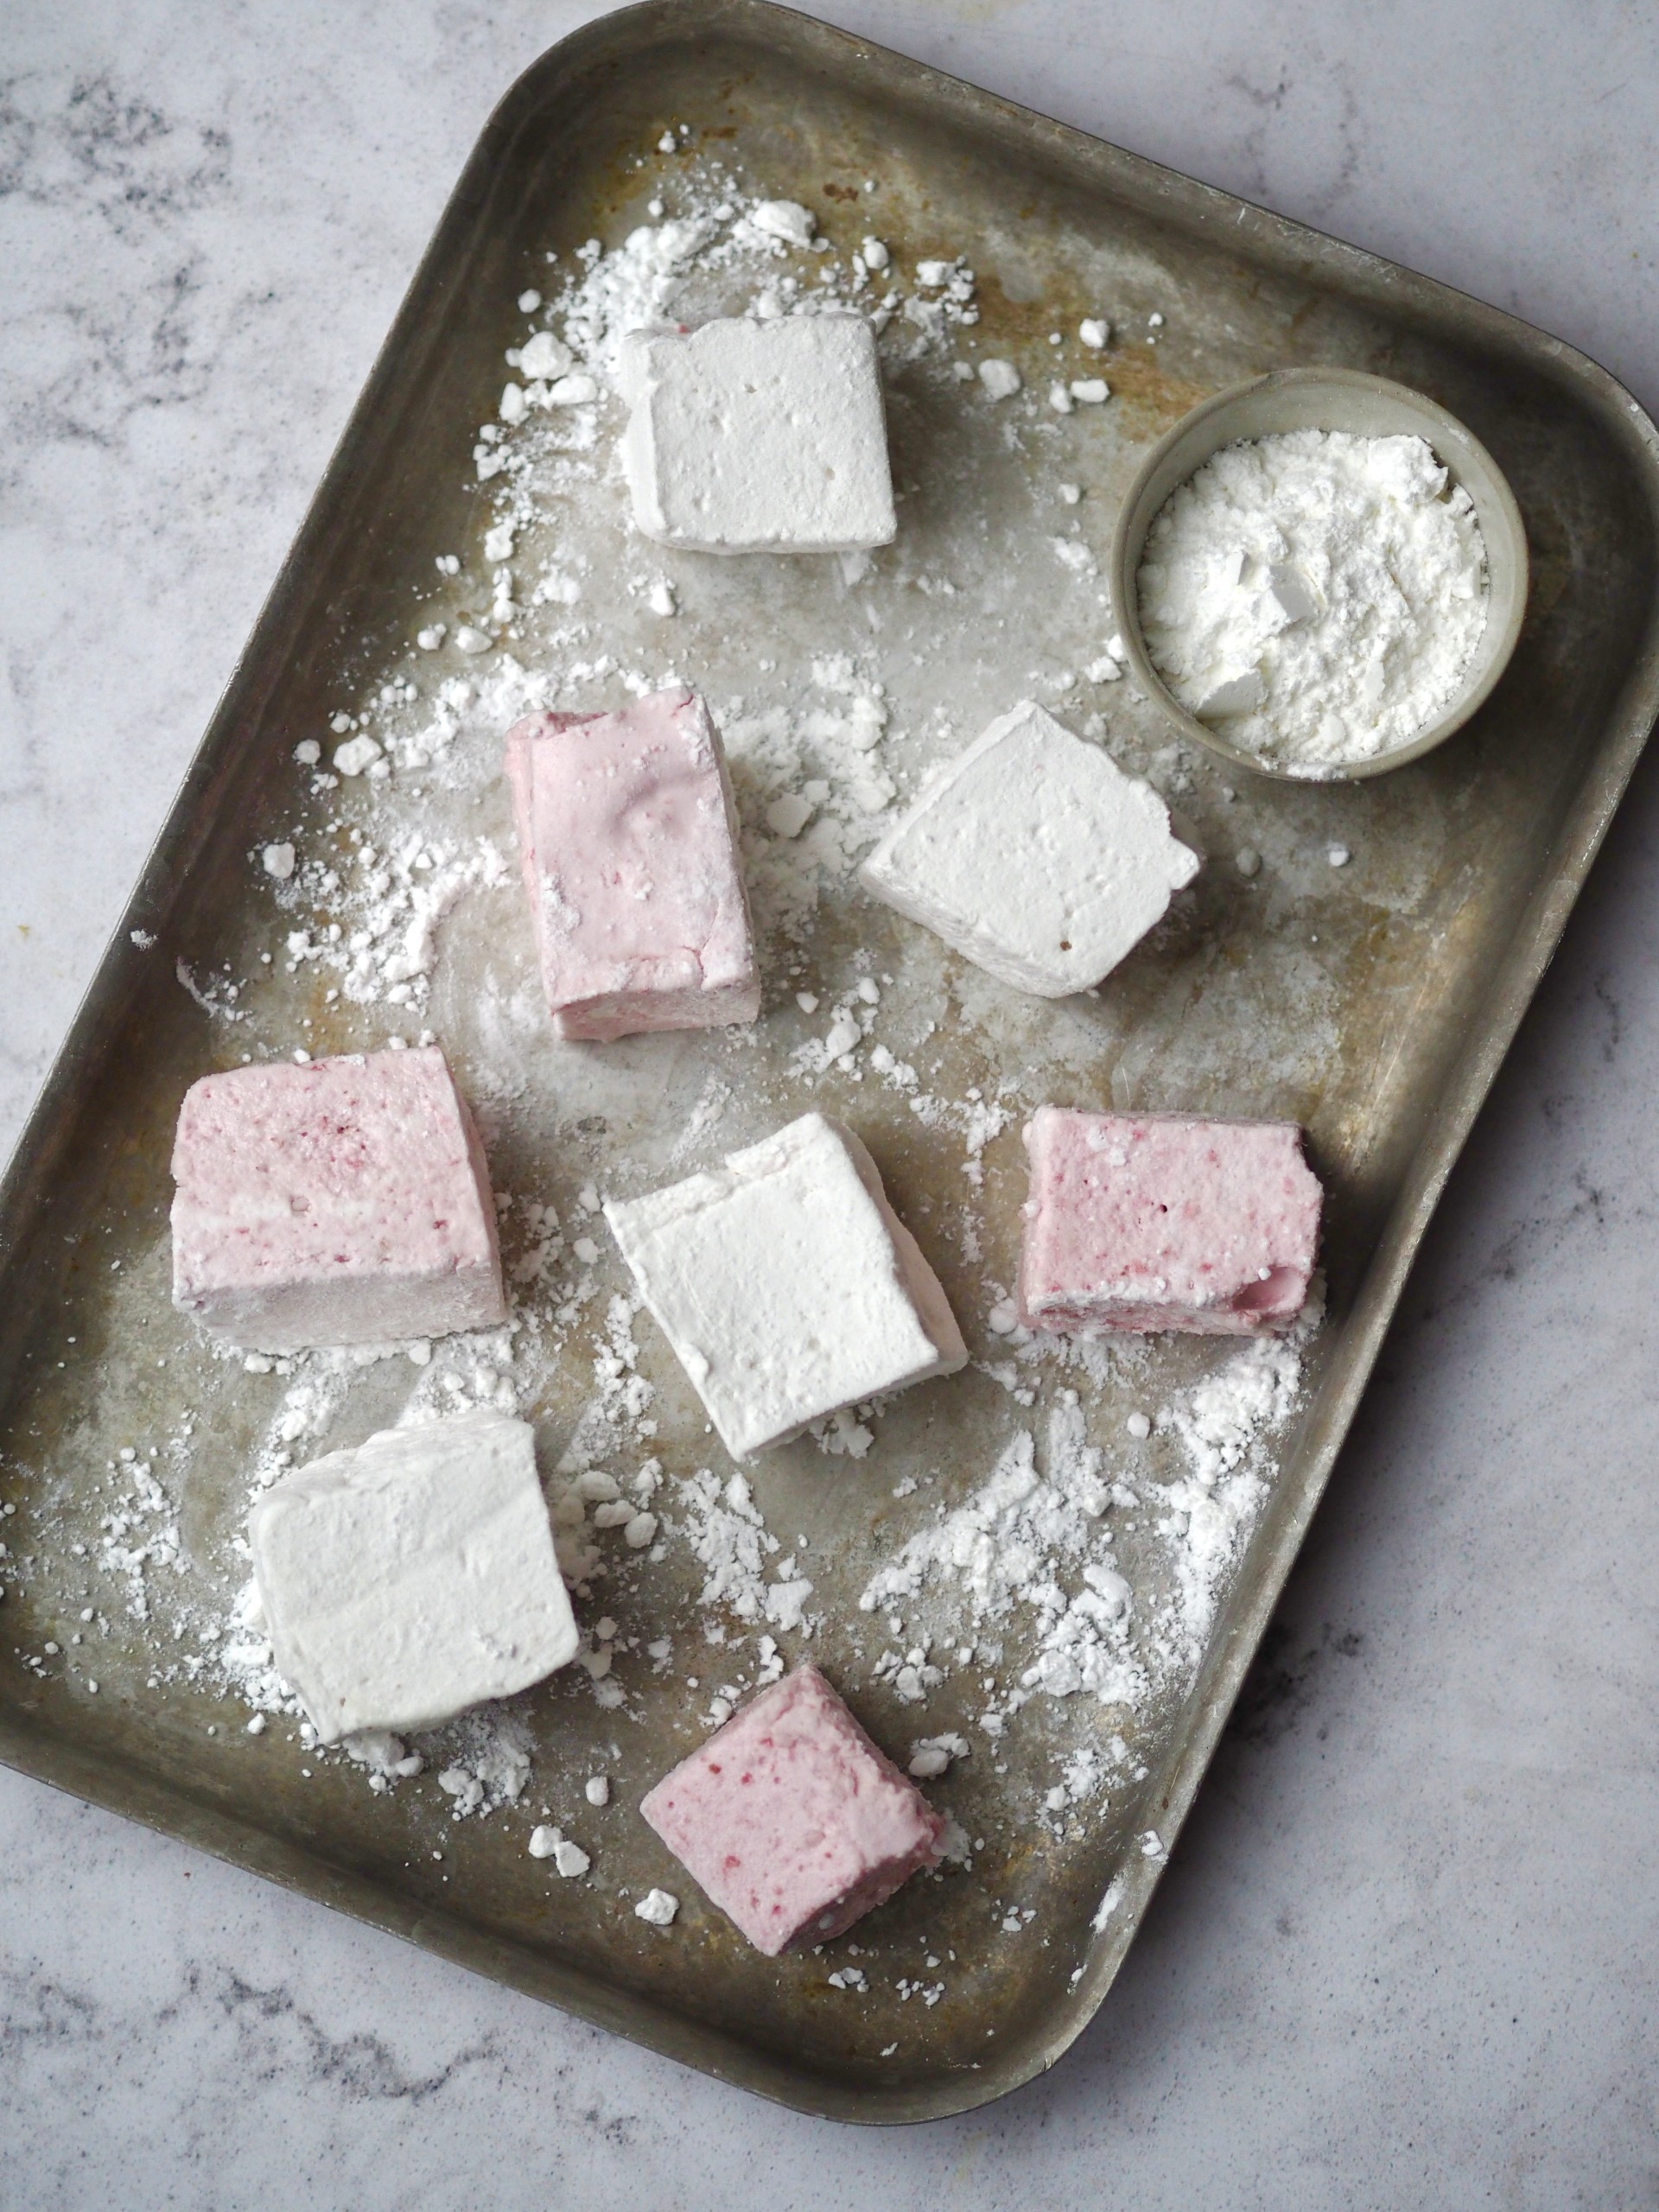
(1371, 1001)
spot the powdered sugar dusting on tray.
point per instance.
(1014, 1574)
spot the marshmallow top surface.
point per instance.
(337, 1184)
(787, 1284)
(1166, 1221)
(627, 838)
(790, 1818)
(1034, 855)
(756, 437)
(413, 1577)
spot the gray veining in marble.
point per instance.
(1403, 1954)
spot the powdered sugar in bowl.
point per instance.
(1319, 574)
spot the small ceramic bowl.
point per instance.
(1326, 399)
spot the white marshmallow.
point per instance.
(787, 1284)
(753, 437)
(412, 1578)
(1034, 855)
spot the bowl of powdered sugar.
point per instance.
(1319, 574)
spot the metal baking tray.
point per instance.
(1372, 1002)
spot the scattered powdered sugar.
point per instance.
(1018, 1542)
(724, 1528)
(1026, 1567)
(1109, 1905)
(140, 1530)
(1222, 1416)
(811, 769)
(489, 1761)
(1219, 1423)
(932, 1756)
(1319, 596)
(630, 287)
(388, 906)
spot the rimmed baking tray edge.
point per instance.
(25, 1193)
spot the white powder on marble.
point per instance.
(1320, 597)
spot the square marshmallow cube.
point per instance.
(336, 1201)
(413, 1577)
(1034, 855)
(1162, 1221)
(628, 839)
(791, 1820)
(758, 437)
(787, 1284)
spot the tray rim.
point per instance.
(121, 1785)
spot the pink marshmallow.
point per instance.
(628, 838)
(1164, 1221)
(333, 1202)
(791, 1820)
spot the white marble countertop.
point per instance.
(1403, 1954)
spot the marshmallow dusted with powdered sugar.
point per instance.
(787, 1284)
(758, 437)
(341, 1201)
(1166, 1221)
(1034, 855)
(791, 1820)
(628, 841)
(413, 1577)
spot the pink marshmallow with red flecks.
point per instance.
(791, 1820)
(339, 1201)
(628, 838)
(1166, 1221)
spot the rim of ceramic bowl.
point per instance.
(1327, 399)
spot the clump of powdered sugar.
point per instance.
(1318, 596)
(392, 902)
(489, 1761)
(1221, 1418)
(724, 1528)
(630, 287)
